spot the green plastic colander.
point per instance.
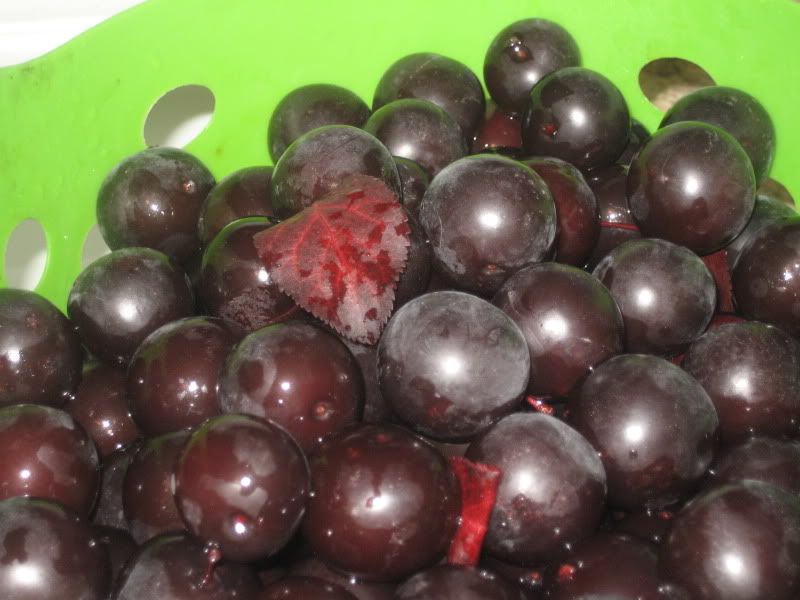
(68, 117)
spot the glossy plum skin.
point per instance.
(100, 406)
(451, 582)
(636, 141)
(385, 504)
(665, 293)
(48, 553)
(500, 132)
(40, 354)
(311, 106)
(776, 462)
(176, 567)
(244, 193)
(362, 590)
(766, 280)
(553, 489)
(147, 493)
(576, 209)
(123, 297)
(153, 199)
(487, 217)
(614, 216)
(450, 364)
(738, 113)
(46, 454)
(692, 184)
(653, 425)
(649, 525)
(577, 115)
(318, 161)
(751, 372)
(236, 285)
(521, 54)
(570, 322)
(298, 376)
(242, 483)
(420, 131)
(446, 82)
(306, 588)
(174, 376)
(767, 210)
(609, 566)
(414, 181)
(109, 511)
(738, 541)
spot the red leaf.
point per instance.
(479, 483)
(341, 257)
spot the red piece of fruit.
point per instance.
(479, 483)
(341, 257)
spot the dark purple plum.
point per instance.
(739, 541)
(608, 566)
(666, 294)
(176, 567)
(500, 132)
(242, 483)
(751, 372)
(447, 83)
(577, 115)
(569, 320)
(123, 297)
(376, 407)
(768, 209)
(318, 161)
(653, 426)
(305, 588)
(616, 222)
(450, 364)
(413, 181)
(174, 376)
(647, 524)
(236, 285)
(362, 590)
(576, 208)
(384, 503)
(40, 354)
(46, 454)
(692, 184)
(309, 107)
(553, 489)
(521, 55)
(147, 492)
(100, 406)
(244, 193)
(766, 280)
(738, 113)
(298, 376)
(487, 217)
(48, 553)
(418, 130)
(153, 199)
(452, 582)
(776, 462)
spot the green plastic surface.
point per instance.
(68, 117)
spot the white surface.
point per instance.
(30, 28)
